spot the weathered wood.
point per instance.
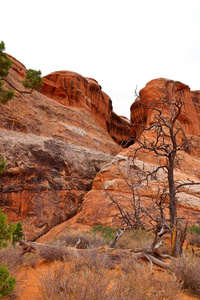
(138, 253)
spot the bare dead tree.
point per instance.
(165, 141)
(132, 215)
(165, 144)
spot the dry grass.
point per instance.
(187, 270)
(103, 274)
(135, 239)
(86, 240)
(11, 257)
(97, 276)
(52, 252)
(31, 259)
(194, 240)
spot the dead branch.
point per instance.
(119, 234)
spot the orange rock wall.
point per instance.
(72, 89)
(162, 89)
(53, 147)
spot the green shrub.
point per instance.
(7, 283)
(17, 234)
(9, 232)
(2, 165)
(107, 232)
(194, 229)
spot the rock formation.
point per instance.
(97, 208)
(73, 90)
(54, 144)
(166, 89)
(55, 141)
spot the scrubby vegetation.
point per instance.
(33, 80)
(7, 283)
(10, 234)
(187, 270)
(194, 229)
(95, 275)
(98, 272)
(80, 265)
(91, 239)
(194, 236)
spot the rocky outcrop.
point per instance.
(53, 150)
(119, 128)
(117, 177)
(168, 89)
(57, 141)
(73, 90)
(112, 180)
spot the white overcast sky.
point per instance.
(121, 44)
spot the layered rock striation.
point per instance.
(118, 178)
(54, 144)
(166, 90)
(73, 90)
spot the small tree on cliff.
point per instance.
(5, 65)
(2, 165)
(33, 80)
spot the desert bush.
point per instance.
(194, 235)
(86, 279)
(82, 240)
(106, 232)
(31, 259)
(194, 229)
(138, 238)
(11, 257)
(52, 252)
(61, 284)
(141, 284)
(93, 259)
(187, 270)
(194, 240)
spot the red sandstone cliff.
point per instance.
(96, 207)
(162, 89)
(73, 90)
(54, 144)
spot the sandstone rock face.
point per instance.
(73, 90)
(112, 180)
(168, 89)
(116, 178)
(53, 150)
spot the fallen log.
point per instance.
(138, 253)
